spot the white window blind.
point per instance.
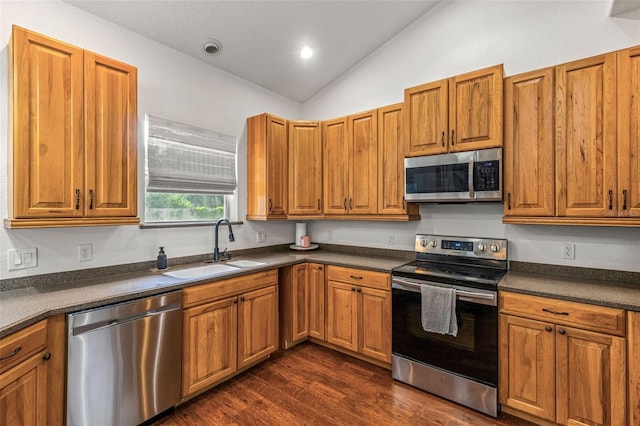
(188, 159)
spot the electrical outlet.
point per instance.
(261, 236)
(85, 252)
(390, 239)
(568, 251)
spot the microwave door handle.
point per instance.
(472, 192)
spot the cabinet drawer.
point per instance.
(580, 315)
(359, 277)
(21, 345)
(208, 292)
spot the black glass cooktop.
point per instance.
(468, 275)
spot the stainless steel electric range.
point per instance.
(462, 368)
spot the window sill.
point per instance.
(157, 225)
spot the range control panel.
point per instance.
(483, 248)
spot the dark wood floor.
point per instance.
(312, 385)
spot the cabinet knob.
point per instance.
(242, 298)
(359, 290)
(548, 328)
(47, 356)
(562, 331)
(353, 289)
(235, 301)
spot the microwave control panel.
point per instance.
(486, 176)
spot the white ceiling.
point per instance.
(262, 39)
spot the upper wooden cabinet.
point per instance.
(350, 148)
(529, 143)
(305, 169)
(73, 157)
(267, 172)
(461, 113)
(629, 132)
(594, 145)
(391, 162)
(586, 137)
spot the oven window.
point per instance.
(435, 179)
(473, 353)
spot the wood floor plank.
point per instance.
(313, 385)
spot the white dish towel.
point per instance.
(439, 310)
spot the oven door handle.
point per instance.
(401, 284)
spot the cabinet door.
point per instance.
(23, 394)
(276, 167)
(529, 179)
(335, 157)
(305, 168)
(633, 357)
(629, 132)
(257, 325)
(475, 110)
(527, 360)
(315, 277)
(391, 160)
(586, 137)
(363, 165)
(48, 162)
(209, 344)
(110, 89)
(300, 314)
(342, 315)
(590, 378)
(375, 323)
(427, 117)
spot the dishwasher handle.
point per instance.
(99, 325)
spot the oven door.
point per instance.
(472, 354)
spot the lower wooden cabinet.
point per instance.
(359, 311)
(633, 356)
(32, 375)
(236, 329)
(562, 361)
(301, 303)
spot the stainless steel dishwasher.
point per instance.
(124, 361)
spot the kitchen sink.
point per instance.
(201, 271)
(244, 263)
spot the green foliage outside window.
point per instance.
(163, 207)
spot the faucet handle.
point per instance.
(225, 255)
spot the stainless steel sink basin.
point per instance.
(201, 271)
(244, 263)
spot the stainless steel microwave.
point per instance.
(468, 176)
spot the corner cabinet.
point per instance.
(73, 159)
(562, 361)
(301, 303)
(461, 113)
(228, 326)
(267, 172)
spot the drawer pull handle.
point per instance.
(551, 311)
(12, 354)
(610, 199)
(548, 328)
(624, 198)
(91, 199)
(77, 199)
(442, 138)
(47, 356)
(355, 277)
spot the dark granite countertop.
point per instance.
(21, 307)
(581, 287)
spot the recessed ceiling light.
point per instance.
(306, 52)
(212, 47)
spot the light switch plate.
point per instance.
(22, 258)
